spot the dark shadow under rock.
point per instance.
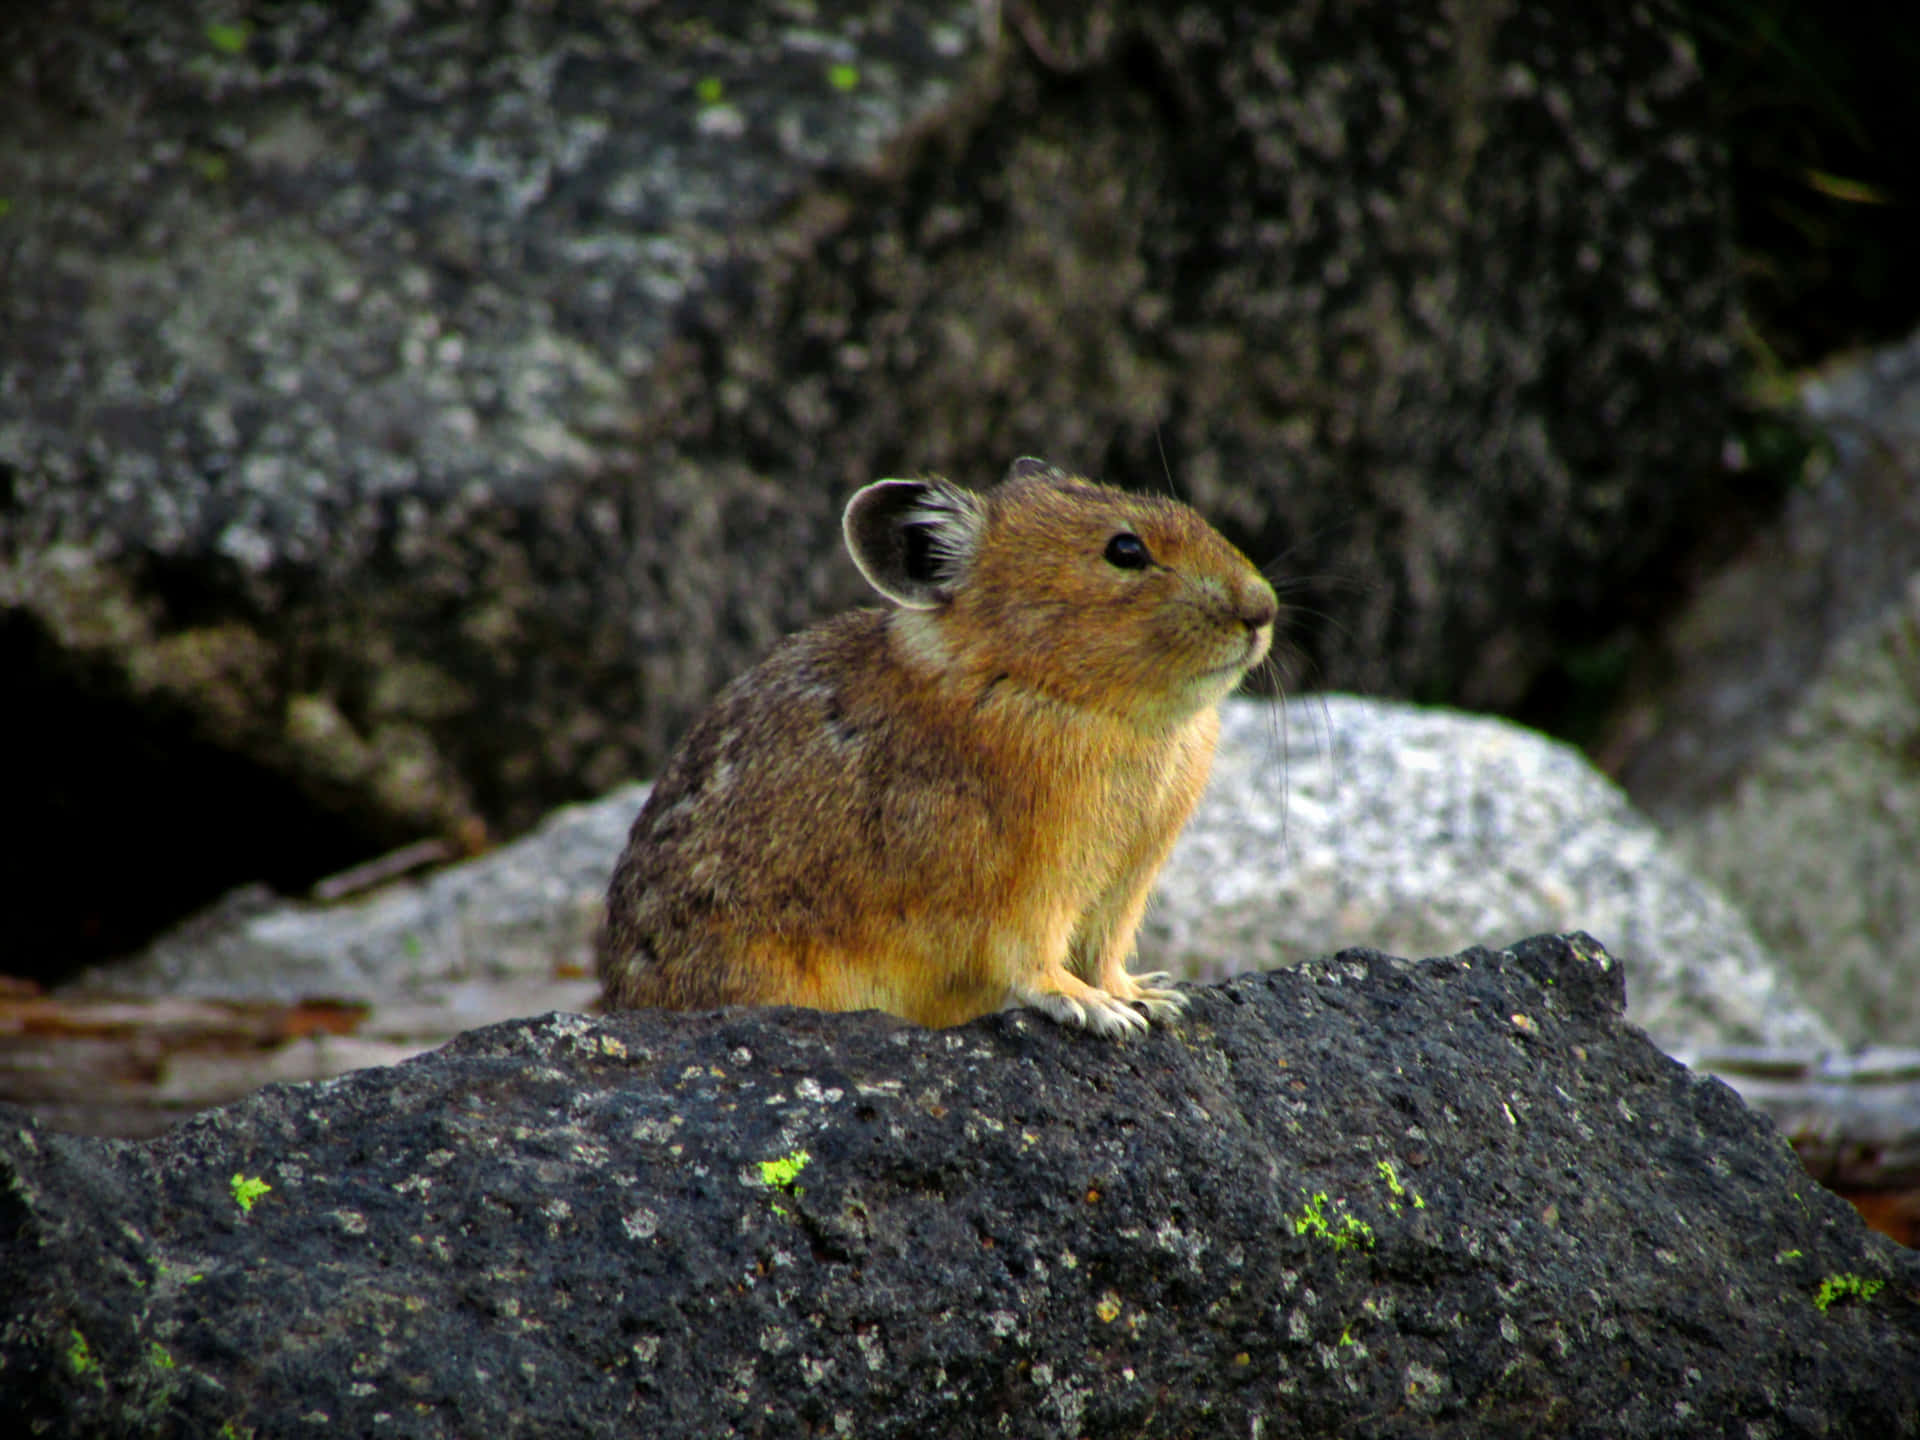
(1364, 1197)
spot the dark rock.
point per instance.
(425, 410)
(1456, 1197)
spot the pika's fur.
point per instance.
(959, 804)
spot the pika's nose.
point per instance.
(1258, 607)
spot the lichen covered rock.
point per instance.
(1457, 1197)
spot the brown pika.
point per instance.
(959, 804)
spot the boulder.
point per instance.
(1454, 1197)
(1818, 841)
(1340, 820)
(1736, 666)
(1783, 752)
(414, 414)
(1330, 822)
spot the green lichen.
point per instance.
(247, 1189)
(1401, 1195)
(1343, 1230)
(780, 1175)
(1840, 1287)
(80, 1358)
(150, 1387)
(171, 1273)
(229, 39)
(155, 1386)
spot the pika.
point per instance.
(958, 804)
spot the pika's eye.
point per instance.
(1127, 551)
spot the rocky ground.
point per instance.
(1365, 1195)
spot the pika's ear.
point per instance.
(1032, 467)
(914, 540)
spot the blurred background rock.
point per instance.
(409, 417)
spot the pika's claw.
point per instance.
(1089, 1009)
(1152, 992)
(1115, 1019)
(1159, 1002)
(1063, 1009)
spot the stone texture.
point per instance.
(1365, 1196)
(524, 914)
(323, 429)
(1819, 842)
(1784, 752)
(1760, 633)
(1330, 821)
(1339, 821)
(415, 414)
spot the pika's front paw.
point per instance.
(1155, 994)
(1087, 1008)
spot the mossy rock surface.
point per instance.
(1367, 1196)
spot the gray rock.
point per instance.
(1783, 754)
(1819, 842)
(1330, 822)
(425, 411)
(1828, 571)
(503, 935)
(324, 424)
(1337, 821)
(1365, 1196)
